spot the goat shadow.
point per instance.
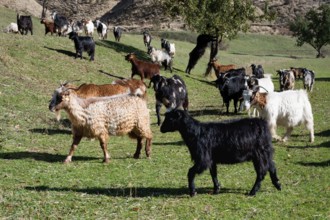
(138, 192)
(323, 133)
(322, 79)
(50, 131)
(65, 52)
(315, 164)
(210, 83)
(40, 156)
(122, 48)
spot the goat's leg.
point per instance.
(191, 184)
(273, 175)
(287, 134)
(74, 145)
(216, 185)
(138, 148)
(103, 143)
(235, 105)
(310, 128)
(272, 128)
(158, 106)
(148, 147)
(261, 172)
(227, 106)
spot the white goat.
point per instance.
(11, 28)
(89, 27)
(161, 57)
(171, 51)
(288, 108)
(101, 117)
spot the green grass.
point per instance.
(35, 184)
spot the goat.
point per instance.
(257, 71)
(199, 50)
(146, 39)
(161, 57)
(286, 79)
(83, 43)
(309, 79)
(142, 68)
(228, 142)
(101, 117)
(61, 23)
(24, 24)
(102, 29)
(117, 33)
(231, 88)
(167, 46)
(11, 28)
(297, 72)
(88, 27)
(219, 69)
(288, 108)
(171, 92)
(120, 86)
(49, 26)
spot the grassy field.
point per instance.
(35, 184)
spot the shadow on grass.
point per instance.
(65, 52)
(316, 164)
(138, 192)
(323, 133)
(46, 157)
(111, 75)
(322, 145)
(322, 79)
(210, 83)
(50, 131)
(122, 48)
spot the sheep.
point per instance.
(24, 24)
(161, 57)
(117, 32)
(102, 29)
(146, 39)
(120, 86)
(11, 28)
(101, 117)
(288, 109)
(199, 50)
(286, 79)
(219, 69)
(172, 92)
(49, 26)
(257, 71)
(227, 142)
(88, 27)
(83, 43)
(309, 79)
(142, 68)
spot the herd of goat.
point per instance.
(120, 108)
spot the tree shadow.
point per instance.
(65, 52)
(122, 48)
(315, 164)
(40, 156)
(138, 192)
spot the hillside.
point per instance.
(139, 14)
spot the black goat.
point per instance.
(83, 43)
(231, 88)
(61, 23)
(199, 50)
(226, 142)
(117, 33)
(257, 71)
(24, 24)
(172, 92)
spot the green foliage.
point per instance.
(222, 18)
(313, 28)
(35, 184)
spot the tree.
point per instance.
(313, 29)
(218, 18)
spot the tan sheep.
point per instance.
(101, 117)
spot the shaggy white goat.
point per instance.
(11, 28)
(161, 57)
(288, 108)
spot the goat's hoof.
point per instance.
(192, 194)
(216, 191)
(136, 156)
(67, 161)
(106, 160)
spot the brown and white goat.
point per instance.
(49, 26)
(122, 86)
(286, 79)
(142, 68)
(219, 69)
(102, 117)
